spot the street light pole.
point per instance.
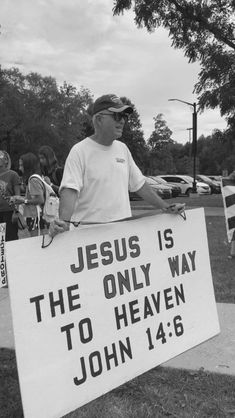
(194, 142)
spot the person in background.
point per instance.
(99, 172)
(9, 186)
(35, 195)
(50, 169)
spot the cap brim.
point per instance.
(127, 109)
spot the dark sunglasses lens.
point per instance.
(119, 116)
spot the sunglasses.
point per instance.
(117, 116)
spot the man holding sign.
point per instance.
(99, 172)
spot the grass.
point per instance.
(161, 392)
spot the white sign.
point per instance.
(104, 304)
(3, 273)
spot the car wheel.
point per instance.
(188, 192)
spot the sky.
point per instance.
(81, 42)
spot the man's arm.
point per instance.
(148, 194)
(68, 198)
(67, 202)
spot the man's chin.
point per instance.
(118, 134)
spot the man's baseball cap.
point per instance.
(110, 102)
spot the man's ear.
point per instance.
(99, 119)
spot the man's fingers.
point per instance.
(58, 226)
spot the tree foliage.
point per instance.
(35, 111)
(133, 136)
(204, 30)
(159, 144)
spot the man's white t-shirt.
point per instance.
(102, 176)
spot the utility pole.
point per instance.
(194, 143)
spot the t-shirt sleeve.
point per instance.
(16, 179)
(136, 178)
(73, 172)
(36, 187)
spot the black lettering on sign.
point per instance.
(153, 304)
(92, 255)
(85, 332)
(165, 239)
(133, 246)
(120, 315)
(72, 298)
(106, 253)
(56, 302)
(67, 329)
(37, 300)
(59, 302)
(80, 266)
(120, 249)
(104, 359)
(182, 264)
(126, 281)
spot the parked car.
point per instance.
(185, 182)
(213, 184)
(176, 190)
(217, 178)
(163, 191)
(134, 196)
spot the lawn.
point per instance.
(161, 392)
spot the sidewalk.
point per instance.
(215, 355)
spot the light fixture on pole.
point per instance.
(189, 131)
(194, 143)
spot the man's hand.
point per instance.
(175, 208)
(58, 226)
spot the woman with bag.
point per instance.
(9, 186)
(51, 172)
(35, 196)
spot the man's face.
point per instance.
(112, 124)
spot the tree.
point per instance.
(205, 32)
(35, 111)
(159, 144)
(133, 137)
(161, 136)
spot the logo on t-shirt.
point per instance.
(120, 160)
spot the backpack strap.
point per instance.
(38, 207)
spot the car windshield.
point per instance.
(189, 178)
(151, 181)
(157, 180)
(205, 178)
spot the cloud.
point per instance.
(82, 43)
